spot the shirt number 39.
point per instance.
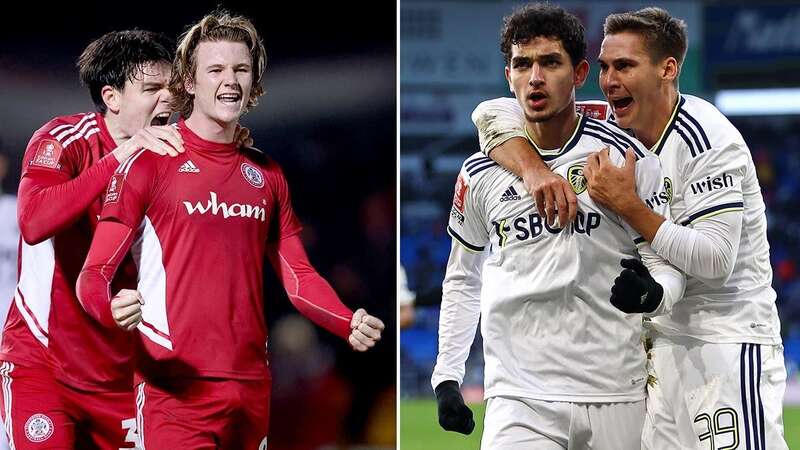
(721, 431)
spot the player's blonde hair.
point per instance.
(217, 26)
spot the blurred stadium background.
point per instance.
(450, 61)
(328, 117)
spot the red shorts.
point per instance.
(40, 413)
(203, 414)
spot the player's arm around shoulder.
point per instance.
(501, 134)
(497, 121)
(159, 139)
(53, 174)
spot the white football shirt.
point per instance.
(709, 171)
(549, 330)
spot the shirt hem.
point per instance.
(675, 337)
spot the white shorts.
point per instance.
(513, 423)
(714, 396)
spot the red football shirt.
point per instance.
(204, 219)
(64, 171)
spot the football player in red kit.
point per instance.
(67, 383)
(198, 227)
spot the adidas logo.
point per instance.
(509, 195)
(189, 167)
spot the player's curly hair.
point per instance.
(217, 26)
(544, 19)
(665, 36)
(119, 56)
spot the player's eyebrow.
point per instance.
(521, 60)
(222, 66)
(151, 85)
(553, 55)
(628, 61)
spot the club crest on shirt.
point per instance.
(115, 187)
(48, 154)
(253, 175)
(576, 178)
(39, 428)
(263, 444)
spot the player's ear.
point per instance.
(581, 72)
(508, 78)
(111, 97)
(188, 84)
(670, 69)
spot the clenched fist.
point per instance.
(126, 309)
(366, 330)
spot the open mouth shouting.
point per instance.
(622, 105)
(537, 99)
(161, 118)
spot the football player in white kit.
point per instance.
(565, 369)
(716, 360)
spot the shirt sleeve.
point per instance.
(307, 290)
(129, 190)
(110, 244)
(47, 154)
(498, 120)
(285, 222)
(51, 175)
(705, 244)
(705, 250)
(459, 315)
(652, 189)
(713, 183)
(467, 225)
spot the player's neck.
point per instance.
(115, 128)
(556, 131)
(210, 129)
(660, 110)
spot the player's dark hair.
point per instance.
(546, 20)
(218, 26)
(119, 56)
(664, 36)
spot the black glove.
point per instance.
(454, 415)
(634, 290)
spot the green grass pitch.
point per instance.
(419, 429)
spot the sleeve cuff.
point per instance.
(462, 241)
